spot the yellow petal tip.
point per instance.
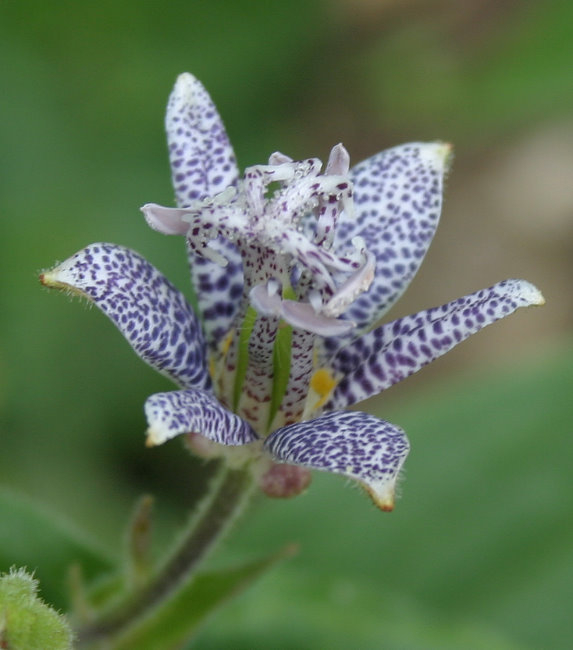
(382, 496)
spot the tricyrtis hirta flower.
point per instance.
(292, 266)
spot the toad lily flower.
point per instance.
(291, 268)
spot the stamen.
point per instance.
(303, 316)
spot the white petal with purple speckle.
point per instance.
(202, 159)
(326, 253)
(396, 350)
(202, 165)
(194, 411)
(148, 310)
(397, 201)
(355, 444)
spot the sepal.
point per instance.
(394, 351)
(397, 201)
(149, 311)
(352, 443)
(194, 411)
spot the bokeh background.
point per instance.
(479, 551)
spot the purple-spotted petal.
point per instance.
(355, 444)
(202, 159)
(148, 310)
(397, 204)
(202, 165)
(396, 350)
(194, 411)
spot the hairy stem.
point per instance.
(227, 500)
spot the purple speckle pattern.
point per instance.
(202, 165)
(301, 369)
(194, 411)
(148, 310)
(397, 203)
(355, 444)
(202, 159)
(397, 349)
(340, 246)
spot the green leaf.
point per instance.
(471, 90)
(178, 620)
(339, 613)
(27, 623)
(33, 536)
(482, 532)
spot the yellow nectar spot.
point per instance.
(226, 343)
(322, 384)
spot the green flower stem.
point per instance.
(228, 498)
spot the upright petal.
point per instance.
(202, 159)
(397, 202)
(148, 310)
(396, 350)
(202, 165)
(355, 444)
(194, 411)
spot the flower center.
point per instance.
(282, 219)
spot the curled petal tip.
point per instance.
(157, 433)
(184, 85)
(351, 443)
(44, 278)
(382, 495)
(151, 439)
(531, 293)
(185, 77)
(57, 278)
(438, 154)
(50, 279)
(523, 292)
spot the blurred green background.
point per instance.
(479, 552)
